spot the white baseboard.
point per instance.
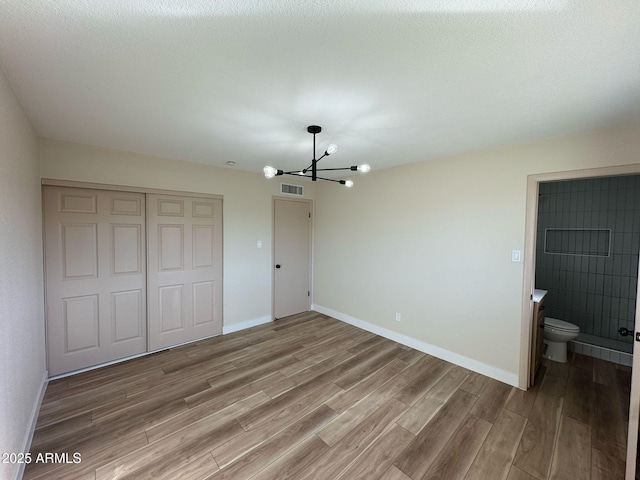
(248, 324)
(509, 378)
(34, 420)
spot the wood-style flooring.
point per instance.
(310, 397)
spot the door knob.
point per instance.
(278, 266)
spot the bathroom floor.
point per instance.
(309, 397)
(580, 411)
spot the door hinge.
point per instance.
(637, 336)
(309, 214)
(308, 294)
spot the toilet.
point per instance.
(556, 335)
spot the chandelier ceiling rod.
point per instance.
(271, 172)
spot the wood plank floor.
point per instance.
(309, 397)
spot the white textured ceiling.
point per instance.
(391, 82)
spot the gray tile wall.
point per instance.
(597, 293)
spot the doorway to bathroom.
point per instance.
(587, 245)
(572, 250)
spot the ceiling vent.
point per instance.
(291, 189)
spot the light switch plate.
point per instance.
(515, 255)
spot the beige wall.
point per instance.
(22, 345)
(433, 241)
(247, 211)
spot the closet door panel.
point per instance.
(80, 318)
(184, 269)
(127, 255)
(95, 276)
(127, 310)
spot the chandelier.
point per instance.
(312, 170)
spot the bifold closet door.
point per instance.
(184, 269)
(95, 276)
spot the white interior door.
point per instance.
(292, 254)
(633, 469)
(184, 269)
(95, 276)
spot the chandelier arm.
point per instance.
(329, 169)
(298, 175)
(330, 179)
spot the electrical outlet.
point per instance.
(398, 316)
(259, 244)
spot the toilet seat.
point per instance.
(561, 325)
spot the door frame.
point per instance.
(634, 400)
(528, 284)
(273, 248)
(125, 188)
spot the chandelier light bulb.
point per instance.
(269, 171)
(331, 149)
(348, 183)
(364, 168)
